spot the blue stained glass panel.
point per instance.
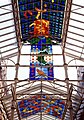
(39, 63)
(54, 13)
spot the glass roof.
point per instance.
(28, 24)
(7, 30)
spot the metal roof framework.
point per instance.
(72, 47)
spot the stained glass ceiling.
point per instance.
(23, 23)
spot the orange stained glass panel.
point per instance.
(41, 27)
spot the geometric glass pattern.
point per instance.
(46, 104)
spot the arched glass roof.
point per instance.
(51, 33)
